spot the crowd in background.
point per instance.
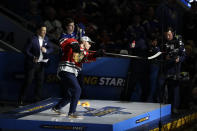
(114, 24)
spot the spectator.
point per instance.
(72, 30)
(33, 15)
(154, 67)
(151, 24)
(138, 72)
(169, 15)
(53, 25)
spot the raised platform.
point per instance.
(100, 116)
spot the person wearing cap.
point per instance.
(74, 54)
(86, 43)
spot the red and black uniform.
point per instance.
(71, 61)
(73, 56)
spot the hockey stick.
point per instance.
(137, 57)
(131, 56)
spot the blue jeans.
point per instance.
(71, 91)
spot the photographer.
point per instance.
(174, 56)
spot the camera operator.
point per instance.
(174, 56)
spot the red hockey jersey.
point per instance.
(72, 61)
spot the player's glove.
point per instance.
(75, 46)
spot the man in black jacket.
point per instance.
(174, 56)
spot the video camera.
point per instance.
(172, 47)
(173, 53)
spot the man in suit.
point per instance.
(36, 53)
